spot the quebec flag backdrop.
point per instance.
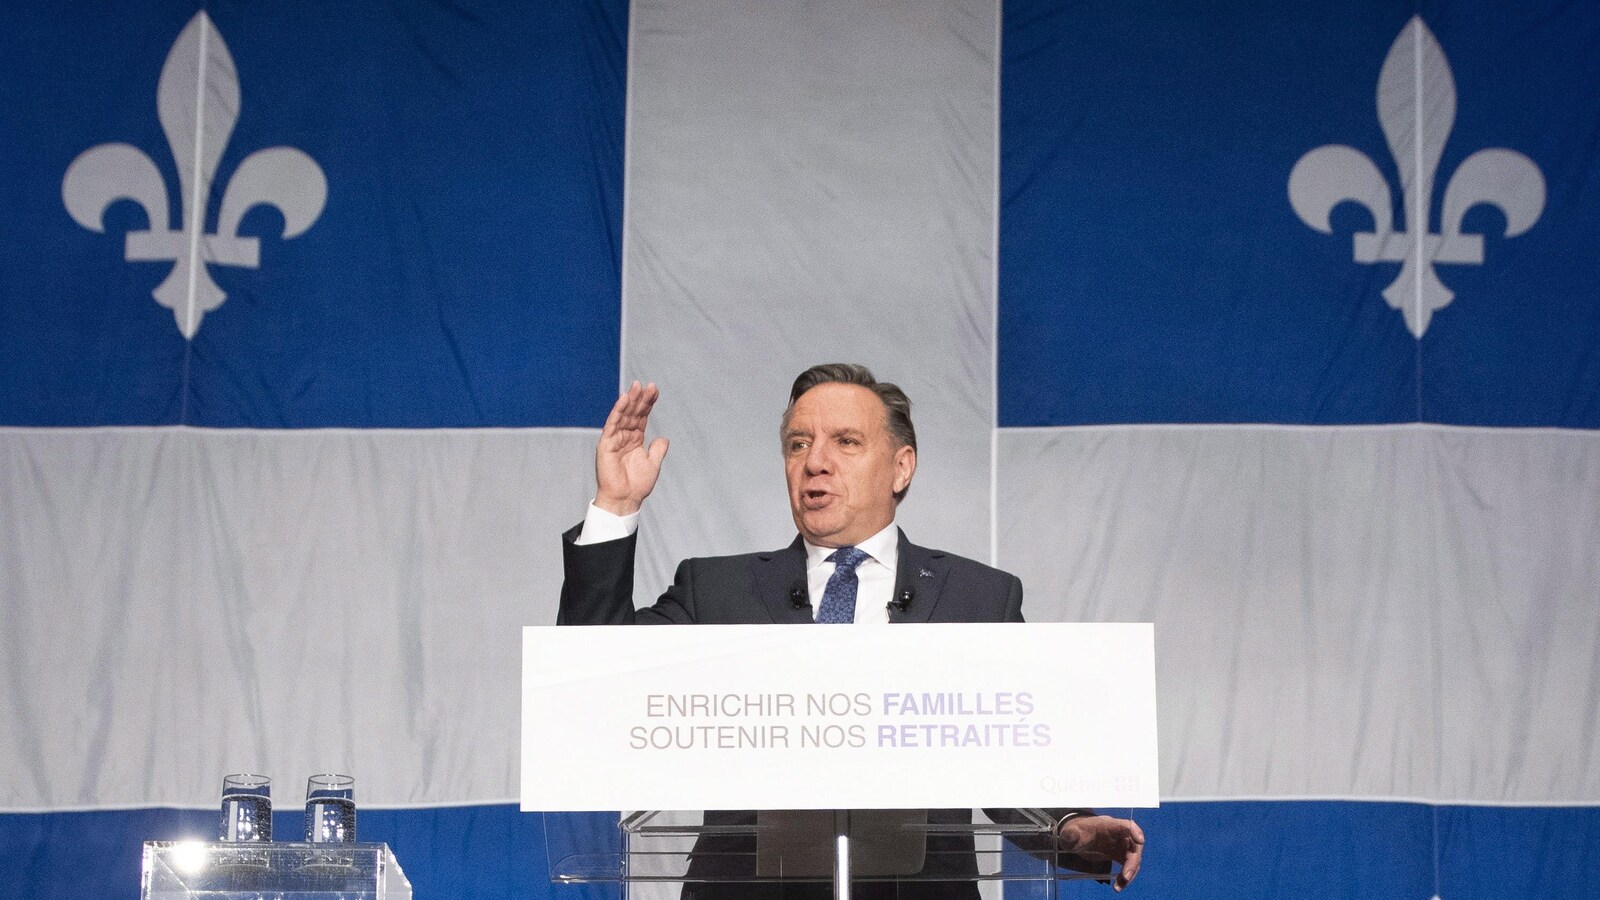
(1277, 325)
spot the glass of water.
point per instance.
(246, 808)
(331, 809)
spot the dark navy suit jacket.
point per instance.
(756, 588)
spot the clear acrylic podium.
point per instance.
(181, 870)
(827, 846)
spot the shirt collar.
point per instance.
(883, 547)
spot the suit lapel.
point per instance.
(918, 581)
(776, 576)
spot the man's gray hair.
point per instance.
(896, 405)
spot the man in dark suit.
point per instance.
(850, 454)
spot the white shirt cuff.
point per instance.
(600, 526)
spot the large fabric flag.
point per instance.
(1274, 325)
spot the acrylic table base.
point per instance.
(179, 870)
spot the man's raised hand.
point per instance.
(625, 470)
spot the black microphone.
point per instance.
(799, 597)
(903, 602)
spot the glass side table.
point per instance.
(179, 870)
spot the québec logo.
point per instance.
(197, 101)
(1417, 110)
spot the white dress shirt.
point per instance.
(875, 575)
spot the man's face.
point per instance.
(842, 465)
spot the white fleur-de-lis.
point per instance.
(197, 101)
(1417, 110)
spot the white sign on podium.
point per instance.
(859, 717)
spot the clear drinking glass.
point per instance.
(246, 808)
(331, 809)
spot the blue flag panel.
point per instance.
(1205, 214)
(1234, 850)
(411, 214)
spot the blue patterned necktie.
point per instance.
(839, 597)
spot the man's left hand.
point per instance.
(1104, 839)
